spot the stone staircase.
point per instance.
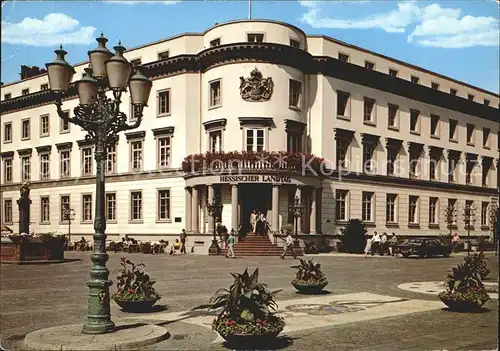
(255, 245)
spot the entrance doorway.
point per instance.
(254, 197)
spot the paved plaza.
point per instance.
(379, 303)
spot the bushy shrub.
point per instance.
(354, 236)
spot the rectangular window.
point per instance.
(294, 141)
(369, 65)
(435, 125)
(215, 42)
(433, 167)
(294, 43)
(342, 149)
(414, 120)
(453, 129)
(7, 211)
(341, 205)
(7, 170)
(136, 155)
(435, 86)
(7, 132)
(413, 210)
(25, 130)
(64, 125)
(25, 92)
(110, 206)
(295, 94)
(433, 210)
(45, 209)
(44, 125)
(486, 102)
(215, 141)
(136, 62)
(369, 113)
(164, 103)
(451, 212)
(484, 214)
(44, 166)
(163, 55)
(367, 209)
(470, 133)
(164, 152)
(413, 171)
(453, 92)
(110, 159)
(87, 161)
(254, 140)
(392, 155)
(136, 206)
(65, 208)
(26, 168)
(486, 137)
(469, 213)
(393, 72)
(7, 96)
(87, 207)
(65, 156)
(343, 57)
(368, 150)
(215, 94)
(44, 87)
(390, 212)
(255, 38)
(470, 97)
(414, 79)
(342, 103)
(393, 115)
(163, 205)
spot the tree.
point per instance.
(353, 236)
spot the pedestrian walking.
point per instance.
(230, 244)
(288, 246)
(393, 242)
(375, 243)
(454, 242)
(368, 246)
(383, 244)
(183, 241)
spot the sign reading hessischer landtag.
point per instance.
(255, 179)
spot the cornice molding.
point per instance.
(43, 148)
(136, 135)
(256, 121)
(84, 142)
(215, 123)
(64, 146)
(163, 131)
(24, 152)
(279, 54)
(7, 154)
(292, 125)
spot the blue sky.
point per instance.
(459, 39)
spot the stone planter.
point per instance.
(136, 306)
(32, 251)
(461, 305)
(250, 340)
(310, 288)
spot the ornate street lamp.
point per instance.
(101, 118)
(450, 214)
(214, 210)
(68, 215)
(296, 209)
(469, 219)
(494, 210)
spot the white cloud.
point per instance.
(143, 2)
(53, 29)
(430, 25)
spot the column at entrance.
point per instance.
(313, 216)
(195, 213)
(234, 207)
(187, 220)
(275, 209)
(210, 198)
(298, 194)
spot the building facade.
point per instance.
(236, 113)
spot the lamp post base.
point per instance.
(103, 327)
(214, 249)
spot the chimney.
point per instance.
(28, 72)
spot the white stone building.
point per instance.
(309, 94)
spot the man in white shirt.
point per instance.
(253, 221)
(375, 243)
(288, 246)
(383, 244)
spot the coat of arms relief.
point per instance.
(256, 88)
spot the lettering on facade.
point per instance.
(255, 179)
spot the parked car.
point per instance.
(423, 247)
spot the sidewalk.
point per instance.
(345, 254)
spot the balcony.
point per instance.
(236, 161)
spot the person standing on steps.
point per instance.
(253, 221)
(288, 246)
(230, 244)
(183, 241)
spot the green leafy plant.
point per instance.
(309, 272)
(478, 264)
(247, 307)
(354, 236)
(464, 284)
(134, 284)
(287, 229)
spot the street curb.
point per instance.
(69, 337)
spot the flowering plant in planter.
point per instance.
(134, 285)
(465, 290)
(309, 277)
(477, 262)
(246, 308)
